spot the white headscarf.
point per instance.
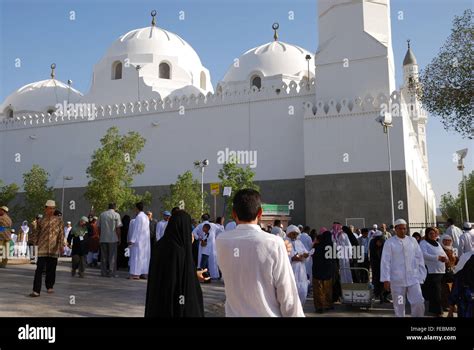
(24, 227)
(449, 238)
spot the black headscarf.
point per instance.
(323, 267)
(173, 288)
(350, 235)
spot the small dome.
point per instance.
(39, 97)
(271, 59)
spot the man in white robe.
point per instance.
(305, 238)
(298, 257)
(466, 241)
(199, 234)
(402, 270)
(455, 233)
(161, 225)
(67, 229)
(259, 280)
(139, 244)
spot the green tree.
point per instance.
(232, 175)
(112, 170)
(7, 193)
(186, 194)
(37, 192)
(454, 207)
(450, 207)
(447, 88)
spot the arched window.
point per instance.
(117, 70)
(256, 81)
(203, 81)
(9, 112)
(164, 71)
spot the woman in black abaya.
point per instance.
(173, 287)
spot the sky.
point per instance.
(40, 32)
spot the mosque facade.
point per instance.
(306, 123)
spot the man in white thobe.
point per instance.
(305, 238)
(402, 270)
(298, 257)
(161, 225)
(67, 229)
(455, 233)
(259, 280)
(139, 244)
(210, 248)
(466, 241)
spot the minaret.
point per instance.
(355, 55)
(417, 114)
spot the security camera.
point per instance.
(205, 162)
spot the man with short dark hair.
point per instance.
(259, 280)
(109, 224)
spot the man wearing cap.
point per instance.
(50, 242)
(78, 238)
(402, 270)
(5, 227)
(161, 226)
(298, 257)
(466, 241)
(109, 224)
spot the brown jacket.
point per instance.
(5, 221)
(50, 236)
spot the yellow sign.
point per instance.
(215, 189)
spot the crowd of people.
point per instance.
(267, 270)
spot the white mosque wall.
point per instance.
(178, 132)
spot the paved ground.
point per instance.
(95, 296)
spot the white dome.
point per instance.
(271, 59)
(40, 97)
(167, 63)
(155, 40)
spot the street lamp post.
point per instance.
(201, 165)
(386, 122)
(461, 155)
(65, 178)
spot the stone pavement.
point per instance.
(96, 296)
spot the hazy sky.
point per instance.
(40, 32)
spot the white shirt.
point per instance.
(430, 255)
(306, 240)
(259, 280)
(455, 233)
(466, 242)
(160, 229)
(402, 262)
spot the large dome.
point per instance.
(270, 59)
(39, 97)
(163, 62)
(155, 40)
